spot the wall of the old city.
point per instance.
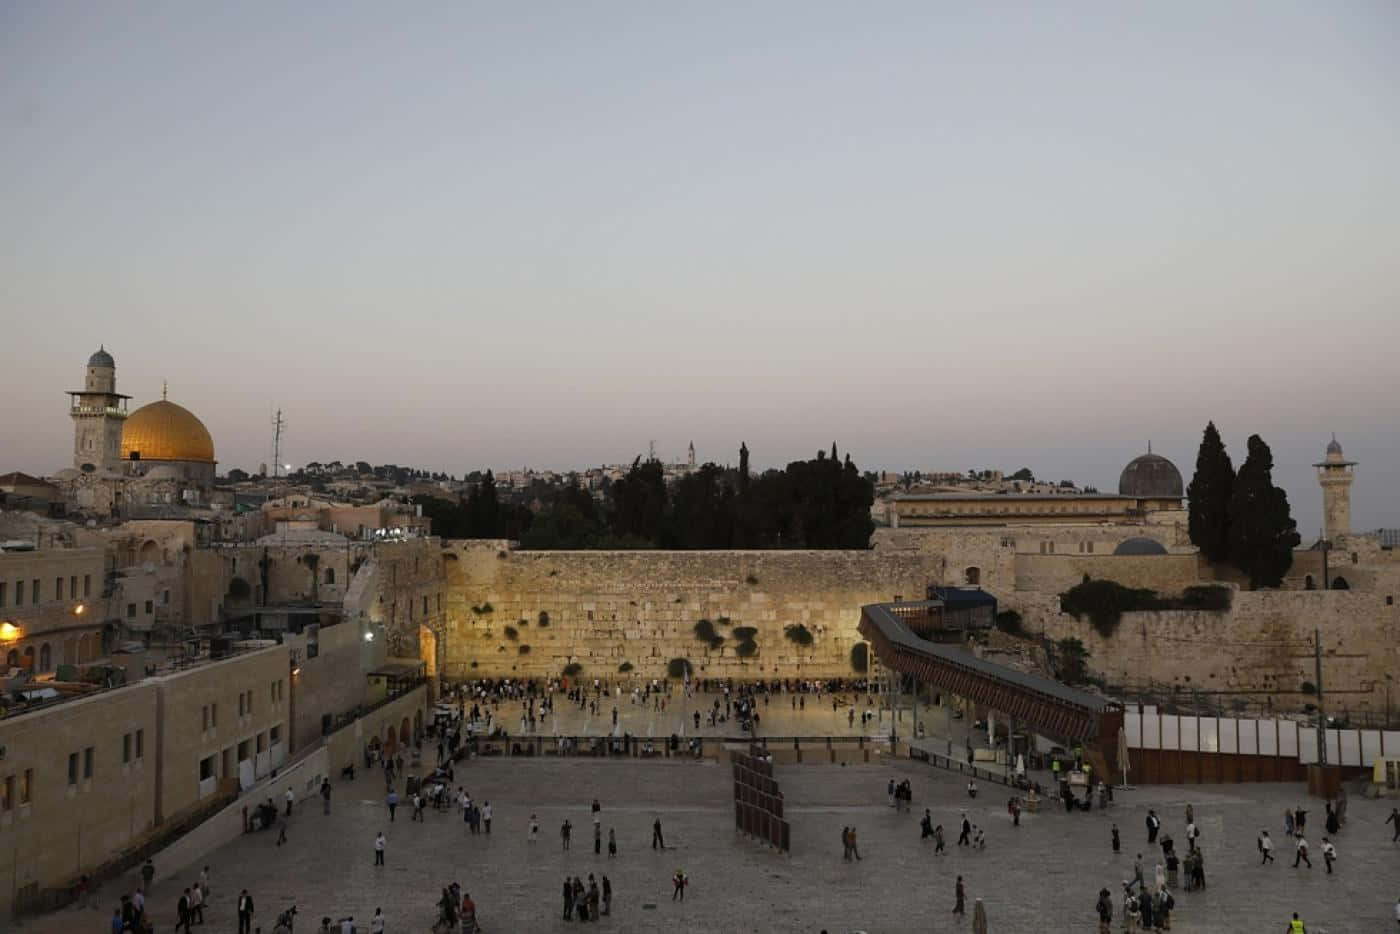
(610, 607)
(1059, 572)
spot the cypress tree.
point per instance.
(1209, 495)
(1262, 533)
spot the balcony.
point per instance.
(111, 411)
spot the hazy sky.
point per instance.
(943, 235)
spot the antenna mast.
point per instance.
(277, 425)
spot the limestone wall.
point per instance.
(1057, 573)
(1257, 654)
(609, 607)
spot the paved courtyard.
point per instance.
(1042, 876)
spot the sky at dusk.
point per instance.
(945, 236)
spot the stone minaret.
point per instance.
(1335, 474)
(98, 412)
(690, 461)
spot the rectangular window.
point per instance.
(250, 703)
(242, 750)
(126, 748)
(272, 691)
(240, 704)
(26, 786)
(425, 606)
(7, 794)
(214, 715)
(276, 735)
(34, 595)
(140, 743)
(58, 588)
(165, 598)
(262, 742)
(206, 768)
(19, 593)
(72, 768)
(150, 607)
(131, 610)
(73, 587)
(87, 762)
(204, 712)
(2, 593)
(87, 585)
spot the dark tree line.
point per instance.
(1241, 518)
(819, 503)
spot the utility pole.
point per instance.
(277, 425)
(1321, 715)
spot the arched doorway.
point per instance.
(405, 732)
(1308, 583)
(27, 658)
(12, 659)
(1340, 583)
(972, 576)
(45, 657)
(84, 649)
(391, 742)
(150, 552)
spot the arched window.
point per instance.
(27, 659)
(330, 575)
(12, 659)
(84, 649)
(45, 657)
(972, 575)
(1308, 583)
(1340, 583)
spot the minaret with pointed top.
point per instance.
(1335, 475)
(691, 459)
(98, 412)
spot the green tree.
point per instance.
(1262, 533)
(1209, 494)
(639, 502)
(1024, 474)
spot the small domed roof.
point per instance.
(101, 358)
(1140, 546)
(1333, 447)
(164, 431)
(1150, 476)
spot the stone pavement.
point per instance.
(1041, 877)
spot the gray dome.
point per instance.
(101, 358)
(1140, 546)
(1150, 476)
(1333, 447)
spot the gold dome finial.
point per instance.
(164, 389)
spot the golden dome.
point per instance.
(164, 431)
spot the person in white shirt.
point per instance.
(376, 924)
(291, 799)
(1329, 854)
(486, 815)
(379, 849)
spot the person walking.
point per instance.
(657, 841)
(1329, 854)
(245, 912)
(1137, 874)
(938, 841)
(182, 911)
(1116, 841)
(290, 799)
(1394, 818)
(565, 830)
(1302, 852)
(679, 881)
(196, 904)
(1296, 926)
(607, 896)
(612, 843)
(855, 850)
(281, 830)
(379, 849)
(376, 924)
(597, 839)
(486, 815)
(326, 795)
(963, 838)
(889, 792)
(534, 833)
(1266, 847)
(568, 899)
(1153, 825)
(959, 907)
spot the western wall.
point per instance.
(605, 608)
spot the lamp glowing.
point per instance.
(79, 610)
(8, 631)
(369, 636)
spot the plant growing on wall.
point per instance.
(860, 657)
(723, 621)
(679, 667)
(798, 634)
(1009, 621)
(483, 609)
(751, 580)
(745, 633)
(522, 622)
(1071, 661)
(746, 649)
(512, 633)
(1105, 602)
(522, 649)
(544, 618)
(573, 670)
(625, 667)
(705, 631)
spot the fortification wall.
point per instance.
(609, 607)
(1256, 655)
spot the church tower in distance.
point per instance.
(98, 412)
(1335, 475)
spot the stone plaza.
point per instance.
(1041, 876)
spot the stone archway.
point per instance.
(391, 742)
(972, 576)
(1340, 583)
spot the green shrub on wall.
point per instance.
(573, 670)
(798, 634)
(746, 649)
(678, 667)
(745, 632)
(1105, 602)
(1071, 660)
(522, 649)
(512, 633)
(705, 630)
(625, 667)
(860, 657)
(1009, 621)
(544, 618)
